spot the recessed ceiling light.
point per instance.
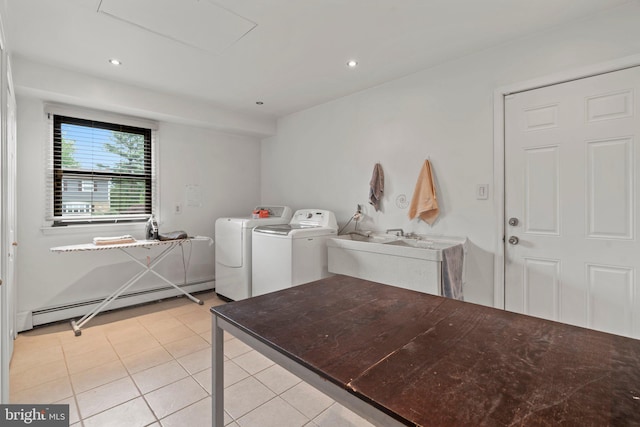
(259, 103)
(114, 61)
(352, 64)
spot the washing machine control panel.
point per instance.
(314, 218)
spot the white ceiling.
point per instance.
(295, 51)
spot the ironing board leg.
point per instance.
(147, 268)
(76, 329)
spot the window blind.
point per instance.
(99, 172)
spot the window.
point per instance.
(101, 172)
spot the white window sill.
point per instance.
(94, 230)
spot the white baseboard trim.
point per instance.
(27, 320)
(24, 321)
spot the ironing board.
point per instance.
(168, 246)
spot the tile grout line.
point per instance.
(129, 375)
(157, 419)
(136, 384)
(136, 321)
(73, 390)
(82, 419)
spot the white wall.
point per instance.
(50, 82)
(224, 166)
(323, 157)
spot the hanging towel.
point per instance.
(376, 186)
(452, 271)
(424, 202)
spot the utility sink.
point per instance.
(368, 238)
(408, 262)
(414, 247)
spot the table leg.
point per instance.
(217, 380)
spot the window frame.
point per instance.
(59, 174)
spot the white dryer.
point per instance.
(233, 251)
(293, 254)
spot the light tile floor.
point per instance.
(151, 366)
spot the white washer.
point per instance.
(233, 251)
(292, 254)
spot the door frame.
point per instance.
(499, 96)
(4, 302)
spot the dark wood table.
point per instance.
(399, 357)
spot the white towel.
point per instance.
(424, 202)
(116, 240)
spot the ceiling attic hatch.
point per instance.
(196, 23)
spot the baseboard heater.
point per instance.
(79, 309)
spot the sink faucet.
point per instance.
(399, 231)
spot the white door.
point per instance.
(571, 201)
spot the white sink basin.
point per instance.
(428, 249)
(412, 263)
(373, 238)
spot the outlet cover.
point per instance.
(482, 191)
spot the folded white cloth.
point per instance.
(116, 240)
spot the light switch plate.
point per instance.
(482, 191)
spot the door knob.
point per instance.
(513, 240)
(513, 221)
